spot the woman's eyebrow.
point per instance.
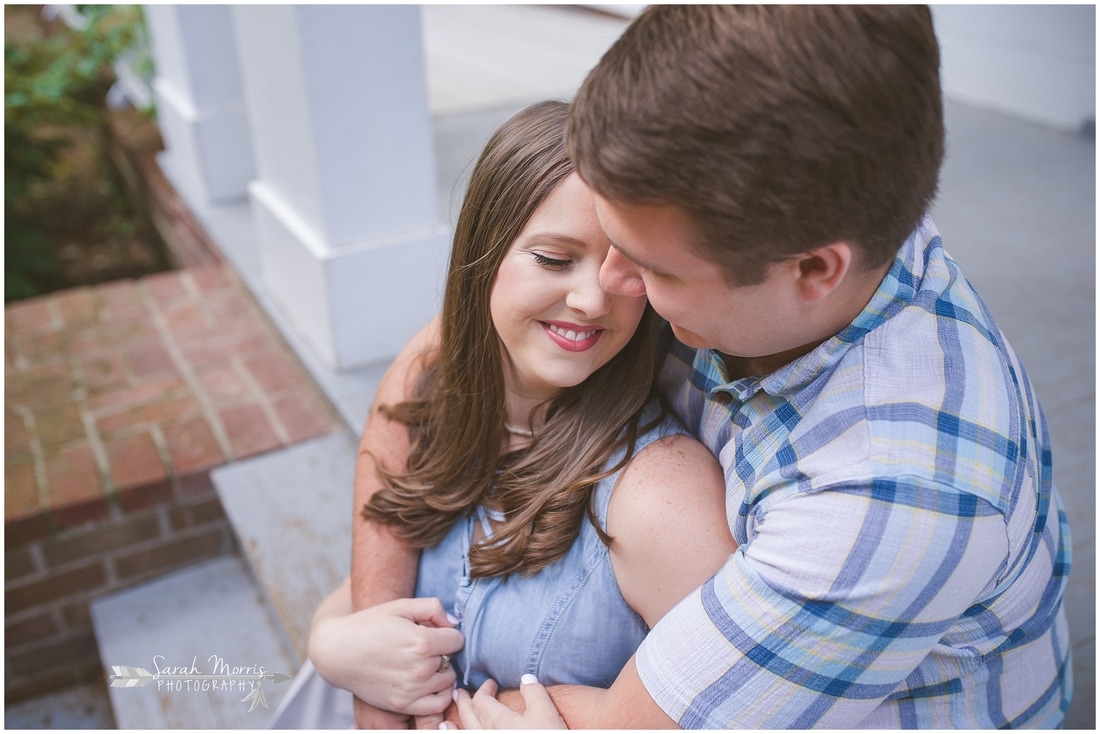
(553, 238)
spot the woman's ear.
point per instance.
(822, 270)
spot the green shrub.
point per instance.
(53, 83)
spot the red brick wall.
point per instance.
(133, 141)
(52, 574)
(119, 400)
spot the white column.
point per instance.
(200, 102)
(344, 201)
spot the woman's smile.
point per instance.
(550, 278)
(572, 337)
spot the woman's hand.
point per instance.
(390, 655)
(483, 711)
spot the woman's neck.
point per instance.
(523, 416)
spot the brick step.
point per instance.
(291, 513)
(209, 612)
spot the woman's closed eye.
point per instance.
(551, 262)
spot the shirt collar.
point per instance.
(896, 291)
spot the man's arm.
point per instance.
(909, 570)
(625, 705)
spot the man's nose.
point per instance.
(618, 275)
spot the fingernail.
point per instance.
(528, 678)
(446, 725)
(452, 618)
(454, 693)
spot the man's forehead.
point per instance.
(633, 257)
(641, 232)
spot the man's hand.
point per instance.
(370, 717)
(625, 705)
(446, 720)
(483, 711)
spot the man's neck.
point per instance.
(739, 367)
(860, 290)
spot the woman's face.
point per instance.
(556, 323)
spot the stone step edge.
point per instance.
(208, 615)
(291, 513)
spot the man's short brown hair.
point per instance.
(776, 128)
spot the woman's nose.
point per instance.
(618, 275)
(589, 298)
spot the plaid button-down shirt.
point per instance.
(903, 551)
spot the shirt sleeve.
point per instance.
(835, 599)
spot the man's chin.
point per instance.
(689, 338)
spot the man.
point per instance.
(763, 174)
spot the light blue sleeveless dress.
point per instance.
(568, 623)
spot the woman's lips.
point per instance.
(572, 337)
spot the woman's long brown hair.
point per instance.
(456, 416)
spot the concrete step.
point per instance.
(79, 706)
(291, 511)
(210, 619)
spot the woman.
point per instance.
(560, 509)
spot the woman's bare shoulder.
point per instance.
(668, 521)
(673, 469)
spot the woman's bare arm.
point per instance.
(382, 567)
(668, 520)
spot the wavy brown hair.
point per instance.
(456, 415)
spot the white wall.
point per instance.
(1036, 62)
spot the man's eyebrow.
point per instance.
(632, 258)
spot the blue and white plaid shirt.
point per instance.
(903, 551)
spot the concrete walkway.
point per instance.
(1016, 209)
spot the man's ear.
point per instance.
(822, 270)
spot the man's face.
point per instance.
(651, 253)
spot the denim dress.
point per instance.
(568, 623)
